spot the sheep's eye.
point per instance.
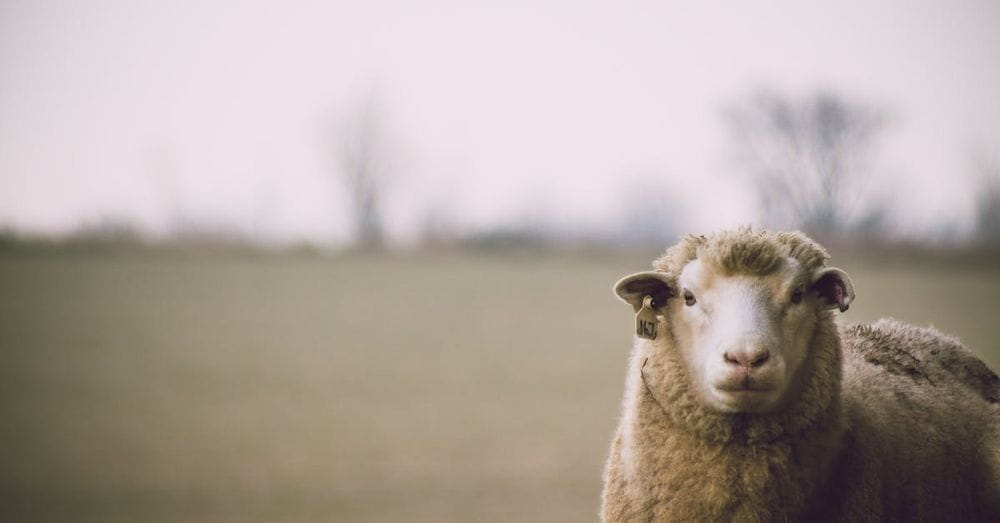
(688, 298)
(797, 296)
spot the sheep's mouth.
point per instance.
(741, 397)
(747, 384)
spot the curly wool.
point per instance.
(743, 251)
(734, 461)
(910, 432)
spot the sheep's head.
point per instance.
(740, 310)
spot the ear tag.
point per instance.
(645, 320)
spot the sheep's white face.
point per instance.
(743, 338)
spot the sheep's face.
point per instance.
(743, 338)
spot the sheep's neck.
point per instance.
(741, 466)
(687, 477)
(684, 461)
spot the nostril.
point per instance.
(747, 360)
(760, 359)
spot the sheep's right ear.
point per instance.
(634, 288)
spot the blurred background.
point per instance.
(351, 261)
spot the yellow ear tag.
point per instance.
(645, 320)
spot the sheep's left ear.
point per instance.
(635, 287)
(834, 288)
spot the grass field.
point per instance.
(429, 387)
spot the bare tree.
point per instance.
(655, 219)
(365, 170)
(987, 217)
(809, 160)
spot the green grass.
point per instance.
(163, 386)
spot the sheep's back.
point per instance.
(922, 413)
(921, 355)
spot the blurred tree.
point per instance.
(657, 219)
(987, 217)
(107, 229)
(437, 225)
(365, 170)
(809, 161)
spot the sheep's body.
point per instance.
(922, 420)
(890, 422)
(916, 439)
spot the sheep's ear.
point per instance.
(634, 288)
(834, 288)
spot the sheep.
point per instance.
(746, 401)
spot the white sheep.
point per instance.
(751, 404)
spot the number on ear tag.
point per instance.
(645, 320)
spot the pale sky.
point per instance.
(223, 111)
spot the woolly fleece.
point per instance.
(892, 422)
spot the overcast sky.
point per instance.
(224, 112)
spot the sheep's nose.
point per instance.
(747, 358)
